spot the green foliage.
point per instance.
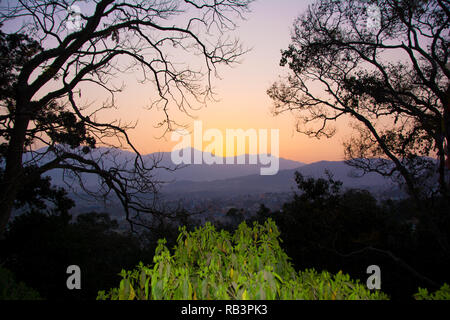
(442, 294)
(328, 227)
(250, 264)
(324, 286)
(10, 289)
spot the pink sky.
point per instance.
(242, 92)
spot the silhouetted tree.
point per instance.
(328, 227)
(383, 64)
(236, 216)
(51, 51)
(38, 247)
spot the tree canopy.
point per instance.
(51, 49)
(383, 64)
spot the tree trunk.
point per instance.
(447, 138)
(442, 166)
(13, 169)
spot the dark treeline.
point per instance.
(330, 229)
(324, 227)
(42, 242)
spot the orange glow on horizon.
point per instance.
(241, 90)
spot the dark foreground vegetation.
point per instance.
(327, 232)
(399, 109)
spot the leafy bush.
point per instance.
(208, 264)
(10, 289)
(442, 294)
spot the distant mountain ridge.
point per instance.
(284, 181)
(220, 182)
(229, 179)
(192, 172)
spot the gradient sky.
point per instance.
(242, 91)
(243, 101)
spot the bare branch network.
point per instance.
(54, 48)
(393, 81)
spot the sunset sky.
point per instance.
(243, 101)
(242, 91)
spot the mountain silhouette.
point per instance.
(109, 157)
(227, 179)
(284, 181)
